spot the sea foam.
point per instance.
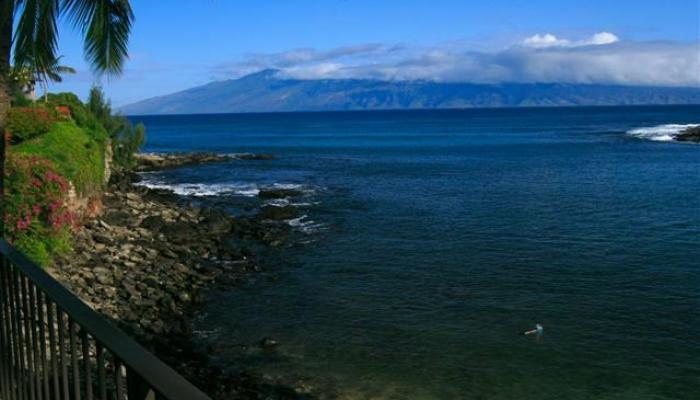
(204, 190)
(219, 189)
(660, 133)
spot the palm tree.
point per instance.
(25, 79)
(30, 29)
(52, 73)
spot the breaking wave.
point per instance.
(204, 190)
(660, 133)
(219, 189)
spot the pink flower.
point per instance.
(55, 206)
(23, 223)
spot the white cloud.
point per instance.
(599, 59)
(546, 40)
(539, 41)
(603, 38)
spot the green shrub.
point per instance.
(25, 123)
(34, 248)
(75, 152)
(127, 139)
(81, 115)
(79, 112)
(36, 219)
(126, 143)
(20, 100)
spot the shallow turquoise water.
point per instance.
(433, 238)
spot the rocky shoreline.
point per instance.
(149, 261)
(160, 161)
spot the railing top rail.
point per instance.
(157, 374)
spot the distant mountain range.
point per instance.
(265, 92)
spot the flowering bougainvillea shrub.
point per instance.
(36, 219)
(24, 123)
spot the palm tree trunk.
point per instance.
(6, 14)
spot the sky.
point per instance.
(179, 44)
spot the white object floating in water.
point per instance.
(538, 330)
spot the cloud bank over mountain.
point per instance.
(601, 58)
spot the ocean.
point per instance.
(428, 241)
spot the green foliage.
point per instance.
(34, 248)
(20, 100)
(100, 107)
(126, 143)
(21, 76)
(36, 218)
(42, 248)
(25, 123)
(79, 112)
(77, 153)
(126, 139)
(70, 149)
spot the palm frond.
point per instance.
(62, 69)
(54, 77)
(106, 25)
(36, 35)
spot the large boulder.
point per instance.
(154, 223)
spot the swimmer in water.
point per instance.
(538, 330)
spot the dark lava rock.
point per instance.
(153, 223)
(278, 213)
(123, 181)
(102, 238)
(149, 162)
(274, 193)
(691, 134)
(178, 231)
(217, 225)
(250, 156)
(118, 217)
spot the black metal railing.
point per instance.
(53, 346)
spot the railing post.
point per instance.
(137, 388)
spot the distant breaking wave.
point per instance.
(660, 133)
(217, 189)
(204, 190)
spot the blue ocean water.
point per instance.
(429, 240)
